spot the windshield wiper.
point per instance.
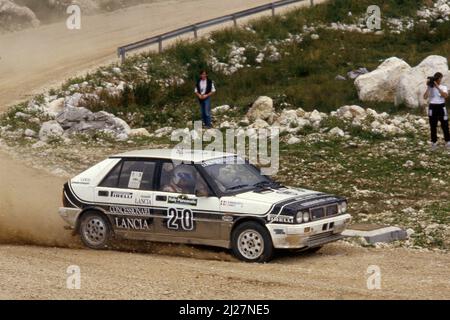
(237, 187)
(263, 184)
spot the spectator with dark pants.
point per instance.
(204, 89)
(437, 111)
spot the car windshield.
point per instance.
(236, 176)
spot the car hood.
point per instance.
(271, 196)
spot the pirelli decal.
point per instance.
(281, 219)
(122, 195)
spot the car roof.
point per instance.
(185, 155)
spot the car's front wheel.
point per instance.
(251, 242)
(95, 231)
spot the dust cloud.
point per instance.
(29, 202)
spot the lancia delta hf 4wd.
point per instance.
(198, 197)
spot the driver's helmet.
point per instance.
(227, 174)
(184, 178)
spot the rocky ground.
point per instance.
(382, 163)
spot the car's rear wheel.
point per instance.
(95, 231)
(251, 242)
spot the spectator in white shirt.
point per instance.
(437, 111)
(204, 89)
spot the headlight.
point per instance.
(302, 217)
(299, 217)
(343, 207)
(306, 216)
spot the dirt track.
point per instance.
(337, 272)
(37, 58)
(34, 59)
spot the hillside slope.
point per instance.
(34, 59)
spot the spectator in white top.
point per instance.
(204, 89)
(437, 111)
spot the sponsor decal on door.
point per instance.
(132, 223)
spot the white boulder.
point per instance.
(444, 10)
(56, 106)
(288, 117)
(225, 125)
(16, 17)
(337, 132)
(22, 115)
(141, 132)
(294, 140)
(350, 112)
(260, 124)
(121, 126)
(446, 80)
(412, 84)
(73, 100)
(29, 133)
(49, 130)
(262, 109)
(163, 132)
(410, 232)
(221, 109)
(122, 137)
(301, 123)
(315, 116)
(381, 84)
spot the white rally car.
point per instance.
(198, 197)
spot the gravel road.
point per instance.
(178, 272)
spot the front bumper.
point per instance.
(308, 235)
(70, 216)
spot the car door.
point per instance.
(187, 212)
(126, 195)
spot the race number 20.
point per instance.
(180, 219)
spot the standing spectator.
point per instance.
(437, 112)
(204, 89)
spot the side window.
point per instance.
(137, 175)
(112, 179)
(183, 179)
(166, 176)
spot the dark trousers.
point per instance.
(438, 113)
(205, 106)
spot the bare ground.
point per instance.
(34, 59)
(337, 272)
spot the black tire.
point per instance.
(247, 238)
(95, 231)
